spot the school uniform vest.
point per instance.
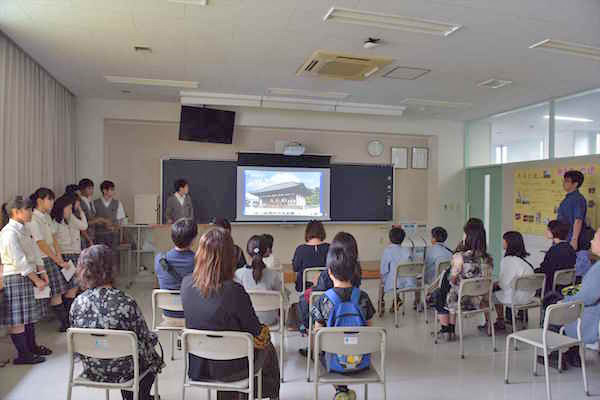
(87, 209)
(109, 212)
(175, 210)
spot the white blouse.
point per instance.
(18, 252)
(42, 228)
(511, 268)
(68, 234)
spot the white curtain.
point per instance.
(37, 138)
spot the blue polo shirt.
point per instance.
(574, 206)
(183, 262)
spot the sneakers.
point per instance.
(42, 351)
(345, 395)
(29, 359)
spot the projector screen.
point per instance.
(282, 194)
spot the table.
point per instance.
(139, 242)
(370, 270)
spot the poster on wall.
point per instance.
(539, 191)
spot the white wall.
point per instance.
(479, 143)
(446, 175)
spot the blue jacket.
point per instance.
(590, 295)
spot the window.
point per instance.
(501, 154)
(577, 124)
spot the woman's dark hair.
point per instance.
(269, 240)
(221, 223)
(58, 210)
(214, 261)
(95, 267)
(71, 189)
(183, 232)
(257, 249)
(475, 239)
(16, 203)
(560, 230)
(42, 193)
(347, 242)
(107, 185)
(85, 183)
(515, 246)
(76, 198)
(314, 230)
(340, 263)
(575, 177)
(180, 183)
(397, 235)
(439, 234)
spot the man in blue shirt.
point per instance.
(436, 253)
(179, 260)
(573, 210)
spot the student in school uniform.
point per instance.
(437, 253)
(86, 191)
(111, 210)
(68, 228)
(22, 270)
(72, 189)
(561, 255)
(179, 204)
(394, 255)
(42, 230)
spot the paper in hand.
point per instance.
(41, 294)
(69, 271)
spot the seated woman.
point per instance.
(561, 254)
(313, 253)
(238, 253)
(513, 266)
(213, 301)
(470, 260)
(102, 306)
(257, 276)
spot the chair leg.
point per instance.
(403, 304)
(260, 382)
(535, 361)
(172, 345)
(136, 394)
(209, 394)
(156, 394)
(493, 330)
(507, 359)
(281, 351)
(460, 336)
(560, 355)
(514, 325)
(379, 294)
(547, 373)
(396, 308)
(316, 388)
(366, 391)
(435, 326)
(425, 307)
(583, 371)
(107, 394)
(384, 392)
(309, 352)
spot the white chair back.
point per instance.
(563, 313)
(163, 299)
(351, 340)
(266, 300)
(441, 268)
(212, 345)
(309, 274)
(530, 282)
(410, 270)
(102, 343)
(475, 287)
(563, 277)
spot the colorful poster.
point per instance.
(539, 191)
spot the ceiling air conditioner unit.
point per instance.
(324, 64)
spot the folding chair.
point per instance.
(407, 271)
(105, 344)
(169, 300)
(531, 282)
(440, 268)
(313, 295)
(548, 341)
(309, 274)
(350, 341)
(270, 300)
(563, 277)
(217, 345)
(475, 287)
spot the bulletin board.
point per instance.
(538, 192)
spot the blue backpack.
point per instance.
(346, 313)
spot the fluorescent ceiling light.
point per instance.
(308, 93)
(219, 99)
(190, 2)
(434, 103)
(298, 104)
(151, 82)
(494, 83)
(569, 48)
(374, 109)
(386, 21)
(572, 119)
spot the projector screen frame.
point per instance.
(325, 196)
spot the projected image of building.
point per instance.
(289, 195)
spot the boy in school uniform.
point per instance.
(111, 211)
(394, 255)
(333, 309)
(179, 204)
(437, 253)
(86, 192)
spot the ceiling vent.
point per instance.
(434, 103)
(494, 83)
(341, 66)
(406, 73)
(308, 93)
(190, 2)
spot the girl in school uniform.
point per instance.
(43, 231)
(69, 222)
(23, 269)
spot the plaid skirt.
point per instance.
(18, 305)
(58, 283)
(72, 257)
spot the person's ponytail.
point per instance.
(257, 249)
(258, 266)
(5, 215)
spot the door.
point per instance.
(484, 201)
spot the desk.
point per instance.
(370, 270)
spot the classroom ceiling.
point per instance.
(246, 47)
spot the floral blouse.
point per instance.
(465, 265)
(110, 308)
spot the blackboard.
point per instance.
(212, 186)
(358, 192)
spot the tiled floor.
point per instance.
(417, 368)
